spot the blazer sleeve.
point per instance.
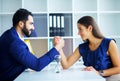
(20, 52)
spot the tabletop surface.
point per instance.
(64, 75)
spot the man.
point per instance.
(15, 56)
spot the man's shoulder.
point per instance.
(9, 35)
(8, 32)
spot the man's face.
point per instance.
(28, 26)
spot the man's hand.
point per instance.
(56, 40)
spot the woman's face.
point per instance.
(83, 31)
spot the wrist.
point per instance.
(101, 72)
(58, 47)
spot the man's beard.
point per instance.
(26, 31)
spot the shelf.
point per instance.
(68, 48)
(109, 5)
(68, 24)
(8, 6)
(40, 23)
(0, 24)
(36, 6)
(109, 24)
(77, 42)
(1, 6)
(85, 5)
(118, 42)
(109, 12)
(60, 24)
(59, 5)
(6, 22)
(39, 46)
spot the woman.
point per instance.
(100, 54)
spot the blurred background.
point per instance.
(59, 17)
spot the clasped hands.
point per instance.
(58, 42)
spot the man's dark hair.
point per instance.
(20, 15)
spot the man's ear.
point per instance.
(21, 24)
(90, 27)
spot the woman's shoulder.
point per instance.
(105, 43)
(107, 40)
(83, 45)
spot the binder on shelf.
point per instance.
(51, 25)
(54, 25)
(62, 30)
(58, 26)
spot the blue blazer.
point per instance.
(15, 56)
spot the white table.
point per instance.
(64, 75)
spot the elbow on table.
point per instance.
(39, 68)
(65, 67)
(119, 70)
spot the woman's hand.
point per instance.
(90, 68)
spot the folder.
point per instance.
(50, 25)
(62, 30)
(54, 25)
(58, 26)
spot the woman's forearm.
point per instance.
(64, 62)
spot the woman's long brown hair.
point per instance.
(87, 21)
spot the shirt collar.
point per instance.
(20, 37)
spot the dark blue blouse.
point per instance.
(98, 58)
